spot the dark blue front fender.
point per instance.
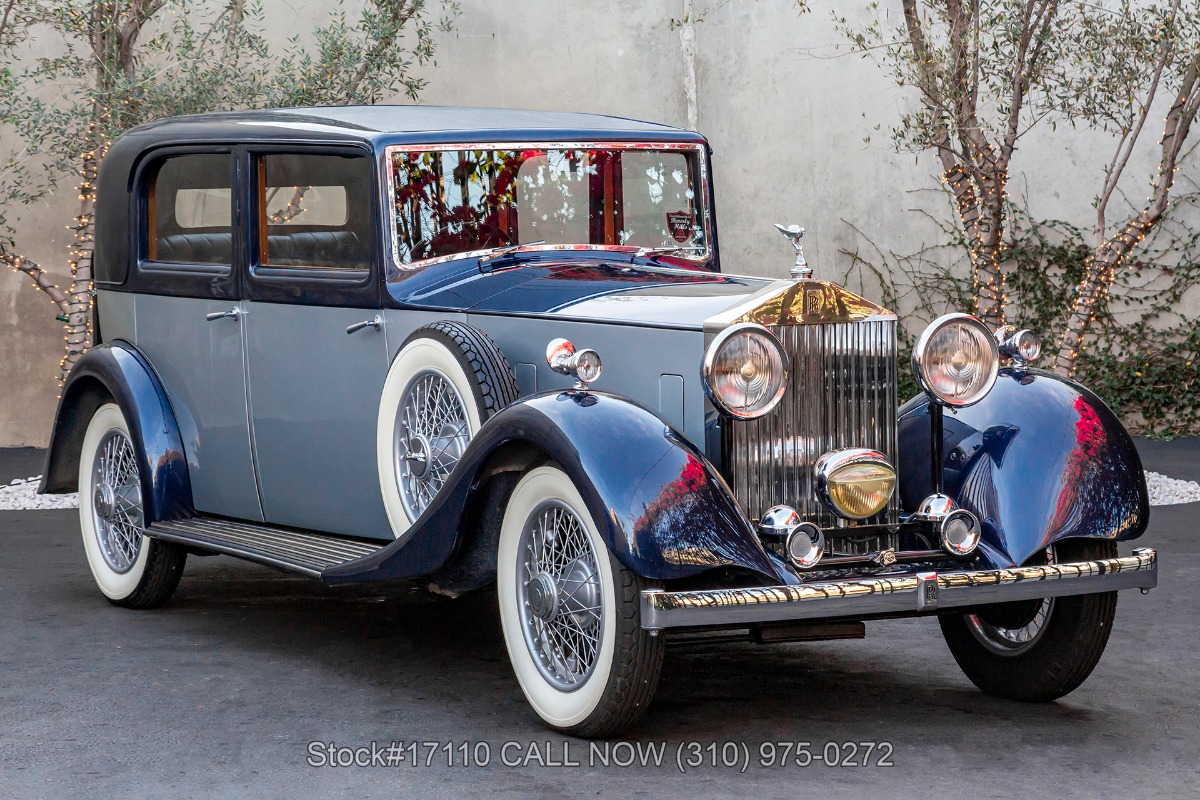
(1038, 460)
(662, 508)
(118, 371)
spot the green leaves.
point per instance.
(125, 62)
(1141, 354)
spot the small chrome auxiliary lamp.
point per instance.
(801, 542)
(582, 365)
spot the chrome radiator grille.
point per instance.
(841, 393)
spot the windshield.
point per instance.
(449, 202)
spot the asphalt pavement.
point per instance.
(247, 676)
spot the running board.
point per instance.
(292, 551)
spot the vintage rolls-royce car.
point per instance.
(474, 346)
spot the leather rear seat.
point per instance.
(301, 248)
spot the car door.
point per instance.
(315, 263)
(188, 314)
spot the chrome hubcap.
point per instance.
(560, 595)
(543, 597)
(418, 456)
(430, 438)
(105, 501)
(117, 502)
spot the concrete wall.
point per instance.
(788, 115)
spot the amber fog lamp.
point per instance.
(855, 483)
(956, 360)
(745, 371)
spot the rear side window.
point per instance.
(314, 210)
(190, 210)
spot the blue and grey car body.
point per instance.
(261, 423)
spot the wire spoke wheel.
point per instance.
(432, 433)
(559, 595)
(1014, 636)
(116, 491)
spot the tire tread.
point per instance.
(482, 360)
(637, 666)
(1062, 659)
(164, 568)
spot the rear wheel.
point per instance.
(571, 613)
(131, 569)
(1036, 650)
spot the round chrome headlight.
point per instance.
(745, 371)
(956, 360)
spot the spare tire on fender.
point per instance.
(447, 380)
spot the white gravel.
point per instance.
(21, 495)
(1166, 491)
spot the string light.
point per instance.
(988, 297)
(78, 333)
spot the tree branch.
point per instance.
(1035, 19)
(4, 19)
(400, 17)
(39, 277)
(1129, 140)
(140, 13)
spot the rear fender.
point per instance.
(117, 372)
(1040, 459)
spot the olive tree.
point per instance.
(119, 63)
(1124, 66)
(983, 70)
(987, 72)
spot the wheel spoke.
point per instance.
(565, 639)
(117, 515)
(432, 440)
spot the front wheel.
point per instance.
(571, 613)
(1036, 650)
(131, 569)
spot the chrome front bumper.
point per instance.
(914, 593)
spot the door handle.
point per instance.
(375, 322)
(233, 313)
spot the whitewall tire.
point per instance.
(570, 613)
(445, 382)
(130, 568)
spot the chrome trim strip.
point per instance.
(389, 180)
(745, 306)
(913, 593)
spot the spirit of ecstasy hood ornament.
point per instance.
(794, 232)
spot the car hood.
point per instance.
(631, 293)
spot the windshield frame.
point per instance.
(699, 148)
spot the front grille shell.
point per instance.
(841, 393)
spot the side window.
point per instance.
(314, 211)
(190, 210)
